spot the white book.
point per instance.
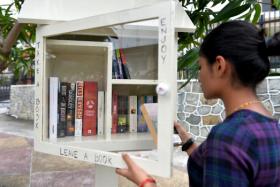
(132, 113)
(100, 113)
(53, 107)
(79, 108)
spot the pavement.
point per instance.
(21, 166)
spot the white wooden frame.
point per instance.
(167, 73)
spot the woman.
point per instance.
(243, 150)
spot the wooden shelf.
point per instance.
(117, 142)
(133, 82)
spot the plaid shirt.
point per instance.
(244, 150)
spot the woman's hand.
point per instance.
(183, 134)
(133, 173)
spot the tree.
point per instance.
(16, 45)
(204, 18)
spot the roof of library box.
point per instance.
(52, 11)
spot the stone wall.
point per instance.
(22, 101)
(199, 115)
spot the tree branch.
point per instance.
(8, 43)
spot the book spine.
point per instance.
(141, 124)
(122, 114)
(100, 118)
(61, 130)
(79, 108)
(53, 107)
(132, 113)
(71, 110)
(124, 65)
(115, 68)
(149, 99)
(119, 63)
(114, 113)
(90, 108)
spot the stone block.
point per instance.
(193, 119)
(210, 102)
(192, 98)
(211, 120)
(181, 98)
(204, 132)
(204, 110)
(194, 130)
(189, 109)
(196, 87)
(262, 87)
(267, 104)
(181, 116)
(274, 84)
(217, 109)
(275, 99)
(22, 101)
(263, 97)
(186, 88)
(180, 108)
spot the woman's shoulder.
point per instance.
(243, 124)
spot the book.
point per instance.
(141, 124)
(63, 98)
(90, 108)
(132, 113)
(101, 110)
(124, 64)
(114, 112)
(70, 128)
(115, 66)
(53, 107)
(149, 111)
(79, 108)
(118, 57)
(122, 114)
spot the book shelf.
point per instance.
(72, 61)
(151, 54)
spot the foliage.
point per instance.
(276, 3)
(202, 14)
(21, 55)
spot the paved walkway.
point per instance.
(20, 166)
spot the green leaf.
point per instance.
(231, 13)
(190, 57)
(257, 13)
(276, 3)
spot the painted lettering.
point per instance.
(103, 159)
(68, 153)
(163, 40)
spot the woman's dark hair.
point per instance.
(243, 45)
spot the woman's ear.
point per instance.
(220, 67)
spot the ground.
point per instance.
(21, 166)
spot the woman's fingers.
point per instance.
(179, 127)
(122, 172)
(129, 162)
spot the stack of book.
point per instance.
(119, 69)
(75, 109)
(78, 109)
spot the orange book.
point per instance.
(90, 108)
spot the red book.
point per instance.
(114, 113)
(90, 108)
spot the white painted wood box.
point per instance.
(81, 47)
